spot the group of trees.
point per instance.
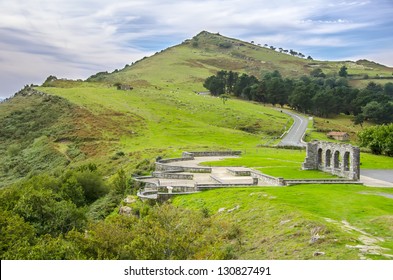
(74, 215)
(315, 94)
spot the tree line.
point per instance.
(315, 94)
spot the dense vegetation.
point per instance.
(62, 217)
(319, 95)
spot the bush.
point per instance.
(225, 45)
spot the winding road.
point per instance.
(294, 136)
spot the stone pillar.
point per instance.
(355, 163)
(311, 161)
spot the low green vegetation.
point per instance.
(74, 216)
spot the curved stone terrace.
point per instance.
(185, 175)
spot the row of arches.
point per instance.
(329, 159)
(339, 159)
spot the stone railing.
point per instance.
(171, 175)
(211, 154)
(289, 182)
(267, 179)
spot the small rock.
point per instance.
(316, 254)
(315, 238)
(129, 199)
(125, 210)
(233, 209)
(221, 210)
(284, 222)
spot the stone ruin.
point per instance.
(342, 160)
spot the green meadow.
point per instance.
(287, 163)
(296, 222)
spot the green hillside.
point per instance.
(68, 150)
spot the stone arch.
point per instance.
(336, 159)
(339, 159)
(328, 158)
(347, 161)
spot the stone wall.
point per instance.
(211, 154)
(342, 160)
(170, 175)
(165, 167)
(264, 179)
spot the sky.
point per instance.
(75, 39)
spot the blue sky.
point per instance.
(77, 38)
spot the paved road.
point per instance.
(296, 132)
(377, 177)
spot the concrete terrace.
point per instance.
(187, 175)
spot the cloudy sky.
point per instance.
(77, 38)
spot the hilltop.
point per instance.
(193, 60)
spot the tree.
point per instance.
(15, 236)
(378, 138)
(43, 210)
(388, 89)
(318, 73)
(215, 85)
(378, 113)
(92, 184)
(224, 98)
(120, 182)
(343, 71)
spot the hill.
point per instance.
(161, 116)
(192, 61)
(68, 150)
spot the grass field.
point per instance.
(287, 163)
(181, 118)
(295, 222)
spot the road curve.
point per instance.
(294, 136)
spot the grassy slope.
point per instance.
(279, 223)
(180, 119)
